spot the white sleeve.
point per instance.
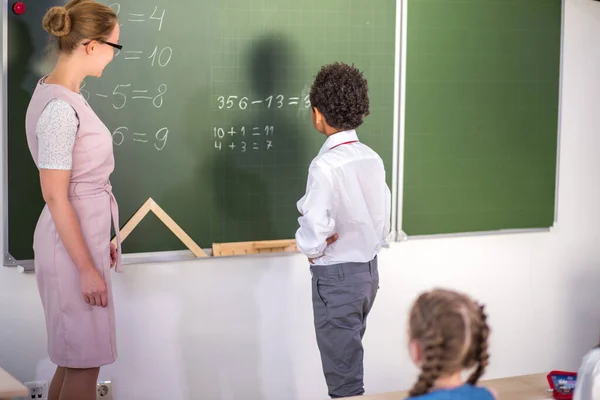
(388, 214)
(587, 386)
(56, 131)
(316, 224)
(596, 381)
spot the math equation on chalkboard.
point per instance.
(273, 101)
(119, 96)
(156, 16)
(243, 138)
(139, 106)
(256, 137)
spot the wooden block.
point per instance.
(219, 249)
(259, 247)
(274, 244)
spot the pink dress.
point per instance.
(79, 335)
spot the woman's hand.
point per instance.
(93, 288)
(113, 255)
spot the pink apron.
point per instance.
(79, 335)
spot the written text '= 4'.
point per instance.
(138, 17)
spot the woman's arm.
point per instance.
(56, 132)
(55, 184)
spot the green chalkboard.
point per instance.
(482, 98)
(207, 105)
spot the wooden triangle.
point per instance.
(150, 205)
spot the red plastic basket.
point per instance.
(562, 384)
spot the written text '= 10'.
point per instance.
(160, 58)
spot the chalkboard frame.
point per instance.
(8, 260)
(186, 255)
(402, 235)
(397, 163)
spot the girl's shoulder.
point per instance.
(464, 392)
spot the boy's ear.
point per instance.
(319, 118)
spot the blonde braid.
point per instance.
(482, 356)
(433, 351)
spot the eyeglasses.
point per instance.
(116, 46)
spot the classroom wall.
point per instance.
(242, 328)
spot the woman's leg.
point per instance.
(57, 383)
(80, 384)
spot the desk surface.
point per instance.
(10, 387)
(526, 387)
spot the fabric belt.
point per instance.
(87, 190)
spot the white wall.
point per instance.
(242, 328)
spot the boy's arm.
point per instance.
(388, 214)
(316, 224)
(596, 379)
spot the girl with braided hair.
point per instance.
(448, 334)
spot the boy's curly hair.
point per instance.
(340, 93)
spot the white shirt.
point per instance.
(346, 194)
(587, 386)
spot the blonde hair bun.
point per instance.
(57, 21)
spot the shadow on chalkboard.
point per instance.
(251, 200)
(24, 192)
(240, 196)
(255, 192)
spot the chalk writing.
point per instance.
(160, 137)
(225, 138)
(267, 130)
(124, 91)
(137, 17)
(273, 101)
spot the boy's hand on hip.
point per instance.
(330, 240)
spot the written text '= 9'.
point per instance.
(161, 136)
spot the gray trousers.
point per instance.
(342, 296)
